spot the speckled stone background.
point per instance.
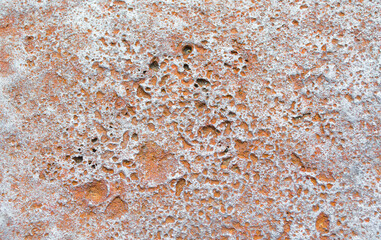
(190, 119)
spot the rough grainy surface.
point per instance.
(190, 119)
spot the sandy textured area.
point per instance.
(190, 119)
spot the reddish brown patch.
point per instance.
(242, 149)
(4, 68)
(296, 160)
(157, 164)
(297, 81)
(116, 208)
(95, 192)
(322, 223)
(206, 130)
(180, 186)
(141, 93)
(326, 177)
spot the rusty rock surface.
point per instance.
(124, 119)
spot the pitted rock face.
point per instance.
(190, 119)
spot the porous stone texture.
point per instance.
(190, 119)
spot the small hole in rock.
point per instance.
(94, 140)
(196, 85)
(187, 49)
(135, 137)
(232, 114)
(126, 162)
(202, 82)
(186, 67)
(94, 150)
(78, 159)
(154, 66)
(144, 72)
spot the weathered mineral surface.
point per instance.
(190, 119)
